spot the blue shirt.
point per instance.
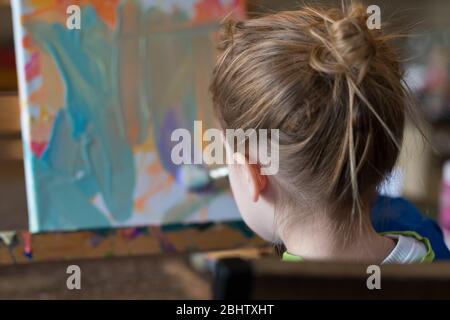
(398, 214)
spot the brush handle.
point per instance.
(219, 173)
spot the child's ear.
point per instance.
(256, 182)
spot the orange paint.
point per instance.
(164, 184)
(27, 42)
(105, 9)
(35, 97)
(214, 10)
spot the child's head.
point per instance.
(334, 90)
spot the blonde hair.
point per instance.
(334, 90)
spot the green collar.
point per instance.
(290, 257)
(429, 257)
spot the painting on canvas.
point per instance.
(99, 104)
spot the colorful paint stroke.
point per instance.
(99, 105)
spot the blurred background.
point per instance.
(420, 176)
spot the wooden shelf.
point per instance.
(10, 138)
(9, 113)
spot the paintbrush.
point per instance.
(198, 178)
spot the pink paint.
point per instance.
(444, 214)
(27, 252)
(32, 69)
(37, 148)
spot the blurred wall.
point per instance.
(433, 13)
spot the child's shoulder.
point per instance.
(399, 215)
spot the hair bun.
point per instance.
(351, 41)
(346, 47)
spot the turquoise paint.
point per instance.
(85, 155)
(88, 153)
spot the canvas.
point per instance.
(99, 103)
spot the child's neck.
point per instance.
(318, 241)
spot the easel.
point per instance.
(19, 246)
